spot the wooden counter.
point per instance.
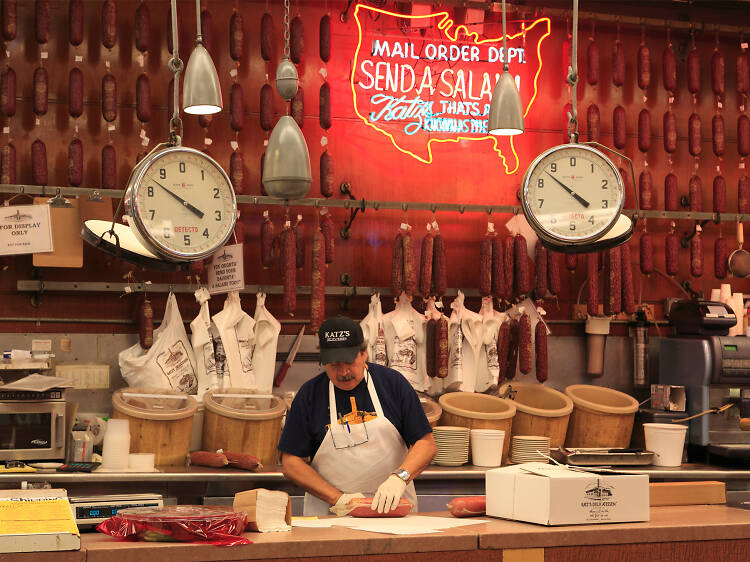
(674, 533)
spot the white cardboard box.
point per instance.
(555, 495)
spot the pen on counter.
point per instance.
(349, 429)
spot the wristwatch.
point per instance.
(403, 474)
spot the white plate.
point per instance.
(450, 463)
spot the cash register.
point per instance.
(714, 368)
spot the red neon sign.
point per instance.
(418, 89)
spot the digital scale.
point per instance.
(92, 510)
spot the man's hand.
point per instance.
(346, 498)
(388, 494)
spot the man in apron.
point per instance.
(362, 425)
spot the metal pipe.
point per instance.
(265, 200)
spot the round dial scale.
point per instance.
(181, 204)
(572, 194)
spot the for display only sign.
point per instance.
(227, 270)
(420, 80)
(25, 229)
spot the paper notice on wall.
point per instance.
(25, 229)
(227, 270)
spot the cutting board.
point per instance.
(66, 237)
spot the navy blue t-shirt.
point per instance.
(307, 420)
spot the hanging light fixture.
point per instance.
(286, 167)
(506, 112)
(201, 94)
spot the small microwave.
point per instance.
(32, 425)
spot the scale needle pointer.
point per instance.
(577, 197)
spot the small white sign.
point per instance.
(227, 270)
(25, 229)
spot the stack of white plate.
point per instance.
(452, 445)
(529, 448)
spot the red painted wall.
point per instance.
(465, 173)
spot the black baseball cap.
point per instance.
(340, 340)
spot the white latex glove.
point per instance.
(388, 494)
(346, 498)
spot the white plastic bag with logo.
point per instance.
(169, 362)
(267, 330)
(237, 332)
(374, 335)
(203, 345)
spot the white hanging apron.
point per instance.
(361, 468)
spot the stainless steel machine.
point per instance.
(715, 370)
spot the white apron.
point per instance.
(361, 468)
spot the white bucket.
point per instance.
(487, 447)
(666, 441)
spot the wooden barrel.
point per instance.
(601, 417)
(242, 421)
(478, 411)
(161, 422)
(540, 410)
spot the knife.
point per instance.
(279, 378)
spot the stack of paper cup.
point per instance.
(725, 293)
(738, 305)
(116, 447)
(487, 447)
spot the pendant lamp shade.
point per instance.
(286, 167)
(506, 112)
(201, 94)
(287, 80)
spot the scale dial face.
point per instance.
(572, 194)
(182, 203)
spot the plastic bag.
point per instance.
(267, 330)
(179, 523)
(203, 345)
(374, 335)
(169, 362)
(237, 332)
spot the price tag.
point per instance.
(208, 141)
(233, 73)
(234, 144)
(227, 270)
(111, 127)
(323, 141)
(6, 130)
(78, 58)
(44, 55)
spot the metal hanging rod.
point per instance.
(641, 21)
(363, 204)
(538, 9)
(37, 286)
